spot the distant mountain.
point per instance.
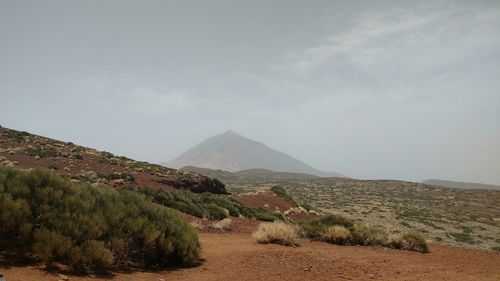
(457, 184)
(230, 151)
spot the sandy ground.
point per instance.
(236, 256)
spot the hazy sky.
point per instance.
(371, 89)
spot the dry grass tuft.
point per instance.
(277, 233)
(222, 225)
(197, 224)
(409, 242)
(337, 235)
(368, 236)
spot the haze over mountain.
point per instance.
(231, 151)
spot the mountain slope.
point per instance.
(252, 175)
(232, 152)
(26, 150)
(458, 184)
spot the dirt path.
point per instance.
(236, 256)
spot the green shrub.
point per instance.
(215, 212)
(91, 254)
(50, 245)
(409, 242)
(317, 227)
(341, 230)
(263, 214)
(206, 205)
(89, 227)
(281, 192)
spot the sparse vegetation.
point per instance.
(281, 192)
(337, 229)
(277, 233)
(88, 227)
(398, 206)
(463, 237)
(206, 205)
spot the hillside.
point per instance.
(466, 217)
(26, 150)
(458, 184)
(230, 151)
(261, 175)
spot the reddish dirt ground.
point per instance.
(236, 256)
(264, 199)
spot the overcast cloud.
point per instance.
(371, 89)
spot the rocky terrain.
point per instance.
(25, 150)
(465, 217)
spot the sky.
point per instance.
(404, 90)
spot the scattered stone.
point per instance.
(119, 181)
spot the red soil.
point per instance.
(264, 199)
(236, 256)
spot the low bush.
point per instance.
(281, 192)
(206, 205)
(216, 212)
(341, 230)
(89, 227)
(277, 233)
(263, 214)
(316, 228)
(409, 242)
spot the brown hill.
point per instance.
(26, 150)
